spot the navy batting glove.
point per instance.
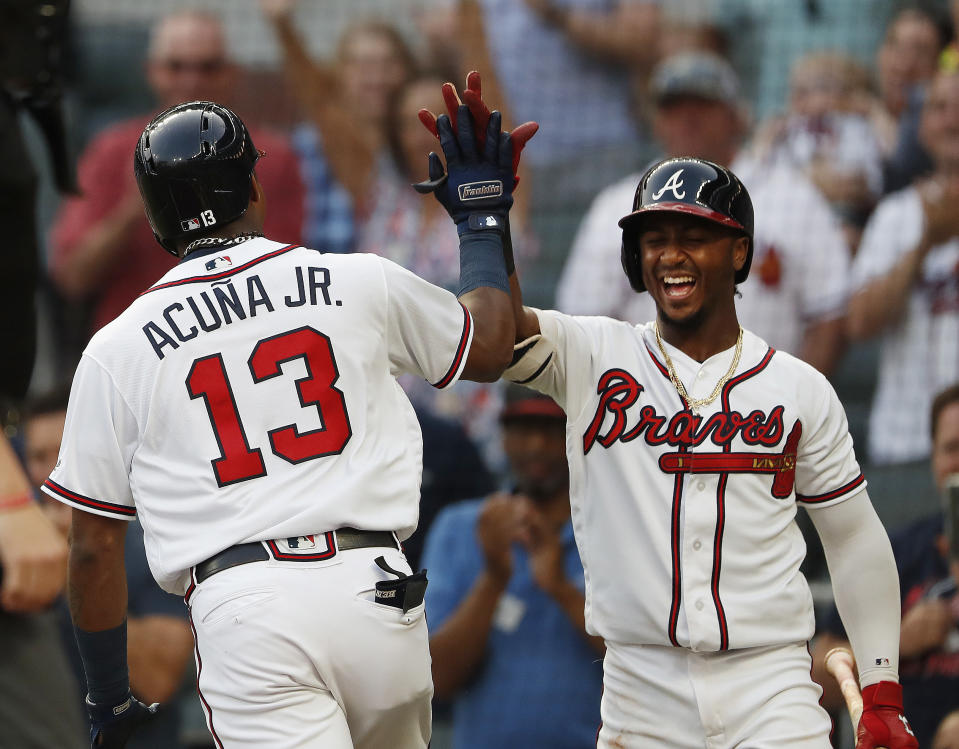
(112, 725)
(477, 187)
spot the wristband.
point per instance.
(882, 694)
(15, 501)
(481, 262)
(104, 656)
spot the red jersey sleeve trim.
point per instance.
(835, 494)
(79, 500)
(461, 349)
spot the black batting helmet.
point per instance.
(686, 185)
(193, 165)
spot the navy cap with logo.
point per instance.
(695, 187)
(520, 402)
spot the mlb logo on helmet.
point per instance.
(190, 224)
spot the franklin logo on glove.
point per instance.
(480, 190)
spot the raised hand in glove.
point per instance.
(112, 725)
(883, 723)
(476, 189)
(473, 98)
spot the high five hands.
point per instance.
(473, 100)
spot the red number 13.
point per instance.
(238, 461)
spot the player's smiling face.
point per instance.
(689, 265)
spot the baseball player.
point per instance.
(244, 407)
(691, 442)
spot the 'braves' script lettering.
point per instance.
(618, 390)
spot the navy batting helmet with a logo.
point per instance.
(193, 164)
(692, 186)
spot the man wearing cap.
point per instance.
(795, 296)
(505, 602)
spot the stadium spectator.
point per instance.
(795, 295)
(905, 282)
(159, 641)
(906, 61)
(345, 103)
(947, 735)
(505, 599)
(590, 47)
(102, 248)
(929, 634)
(822, 134)
(35, 675)
(767, 38)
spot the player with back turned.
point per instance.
(690, 444)
(245, 408)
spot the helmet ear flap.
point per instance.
(632, 265)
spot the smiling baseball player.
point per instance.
(691, 442)
(245, 407)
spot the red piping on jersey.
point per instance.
(674, 522)
(222, 274)
(460, 350)
(677, 569)
(98, 504)
(717, 560)
(812, 499)
(659, 365)
(199, 670)
(721, 504)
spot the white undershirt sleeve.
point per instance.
(865, 583)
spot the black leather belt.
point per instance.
(346, 539)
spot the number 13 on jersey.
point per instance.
(238, 461)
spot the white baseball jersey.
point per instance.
(250, 395)
(685, 523)
(799, 273)
(920, 353)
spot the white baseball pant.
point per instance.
(756, 698)
(297, 655)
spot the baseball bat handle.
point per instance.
(840, 663)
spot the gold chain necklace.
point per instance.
(695, 404)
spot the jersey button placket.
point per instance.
(699, 522)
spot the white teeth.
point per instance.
(678, 279)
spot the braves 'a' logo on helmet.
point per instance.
(673, 184)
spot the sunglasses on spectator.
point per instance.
(205, 67)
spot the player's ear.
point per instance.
(256, 189)
(740, 252)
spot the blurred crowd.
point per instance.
(841, 118)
